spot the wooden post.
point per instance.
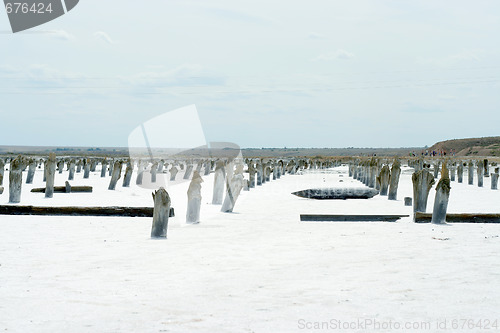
(117, 170)
(50, 169)
(154, 170)
(173, 173)
(233, 191)
(128, 173)
(219, 181)
(60, 166)
(460, 172)
(251, 175)
(480, 173)
(31, 171)
(104, 167)
(471, 173)
(189, 170)
(395, 173)
(141, 166)
(2, 170)
(160, 214)
(486, 168)
(86, 168)
(79, 166)
(494, 180)
(194, 199)
(442, 196)
(16, 179)
(422, 183)
(384, 178)
(71, 166)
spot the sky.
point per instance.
(319, 73)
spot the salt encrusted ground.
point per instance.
(256, 270)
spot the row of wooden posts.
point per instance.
(229, 178)
(376, 173)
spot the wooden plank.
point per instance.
(460, 218)
(350, 218)
(64, 189)
(79, 211)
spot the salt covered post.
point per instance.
(128, 173)
(480, 173)
(50, 170)
(161, 213)
(140, 172)
(86, 168)
(442, 196)
(117, 171)
(471, 173)
(16, 179)
(71, 168)
(394, 183)
(219, 181)
(234, 190)
(494, 180)
(453, 171)
(104, 167)
(154, 170)
(384, 178)
(110, 169)
(60, 166)
(460, 172)
(31, 171)
(189, 170)
(422, 183)
(173, 172)
(93, 165)
(194, 199)
(79, 166)
(251, 175)
(436, 168)
(2, 170)
(486, 168)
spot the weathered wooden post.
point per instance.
(128, 173)
(154, 170)
(494, 180)
(160, 213)
(207, 168)
(453, 171)
(16, 179)
(86, 168)
(79, 166)
(50, 169)
(395, 173)
(117, 171)
(160, 166)
(442, 196)
(251, 175)
(141, 167)
(486, 168)
(71, 168)
(2, 170)
(219, 181)
(460, 171)
(110, 168)
(189, 170)
(480, 173)
(383, 179)
(60, 166)
(93, 165)
(436, 168)
(173, 172)
(194, 199)
(422, 183)
(234, 190)
(104, 167)
(31, 171)
(372, 173)
(471, 173)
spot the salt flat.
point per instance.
(258, 269)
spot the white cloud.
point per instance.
(103, 37)
(339, 54)
(314, 35)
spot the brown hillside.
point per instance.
(489, 146)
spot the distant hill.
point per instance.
(488, 146)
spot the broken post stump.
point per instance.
(161, 213)
(15, 179)
(442, 196)
(422, 183)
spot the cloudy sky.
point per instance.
(331, 73)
